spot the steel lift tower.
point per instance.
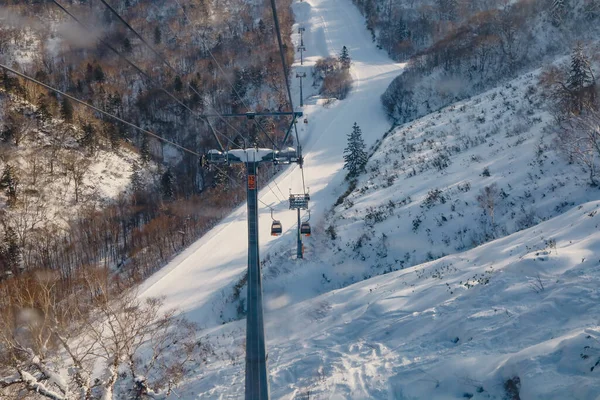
(257, 380)
(299, 202)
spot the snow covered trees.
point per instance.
(487, 199)
(344, 58)
(10, 253)
(334, 75)
(580, 79)
(355, 156)
(574, 94)
(113, 343)
(18, 127)
(66, 110)
(9, 182)
(573, 90)
(167, 182)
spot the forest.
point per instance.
(458, 49)
(191, 58)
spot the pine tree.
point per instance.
(136, 179)
(157, 35)
(195, 98)
(127, 45)
(355, 156)
(168, 185)
(9, 182)
(43, 109)
(98, 74)
(66, 109)
(145, 150)
(11, 253)
(178, 85)
(88, 139)
(580, 77)
(89, 73)
(344, 58)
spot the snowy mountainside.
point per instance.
(424, 195)
(425, 186)
(49, 160)
(519, 313)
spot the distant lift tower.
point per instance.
(257, 380)
(301, 48)
(299, 202)
(301, 75)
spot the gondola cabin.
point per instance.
(305, 229)
(276, 228)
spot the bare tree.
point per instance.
(18, 126)
(488, 199)
(76, 165)
(63, 348)
(579, 138)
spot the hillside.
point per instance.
(519, 313)
(161, 78)
(424, 198)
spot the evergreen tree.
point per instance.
(66, 109)
(7, 81)
(239, 87)
(355, 156)
(195, 98)
(10, 251)
(88, 139)
(137, 184)
(157, 35)
(127, 45)
(113, 133)
(99, 73)
(9, 182)
(261, 27)
(145, 150)
(168, 185)
(89, 73)
(178, 84)
(344, 58)
(43, 109)
(580, 77)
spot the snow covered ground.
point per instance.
(523, 308)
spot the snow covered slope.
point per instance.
(199, 280)
(517, 313)
(521, 311)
